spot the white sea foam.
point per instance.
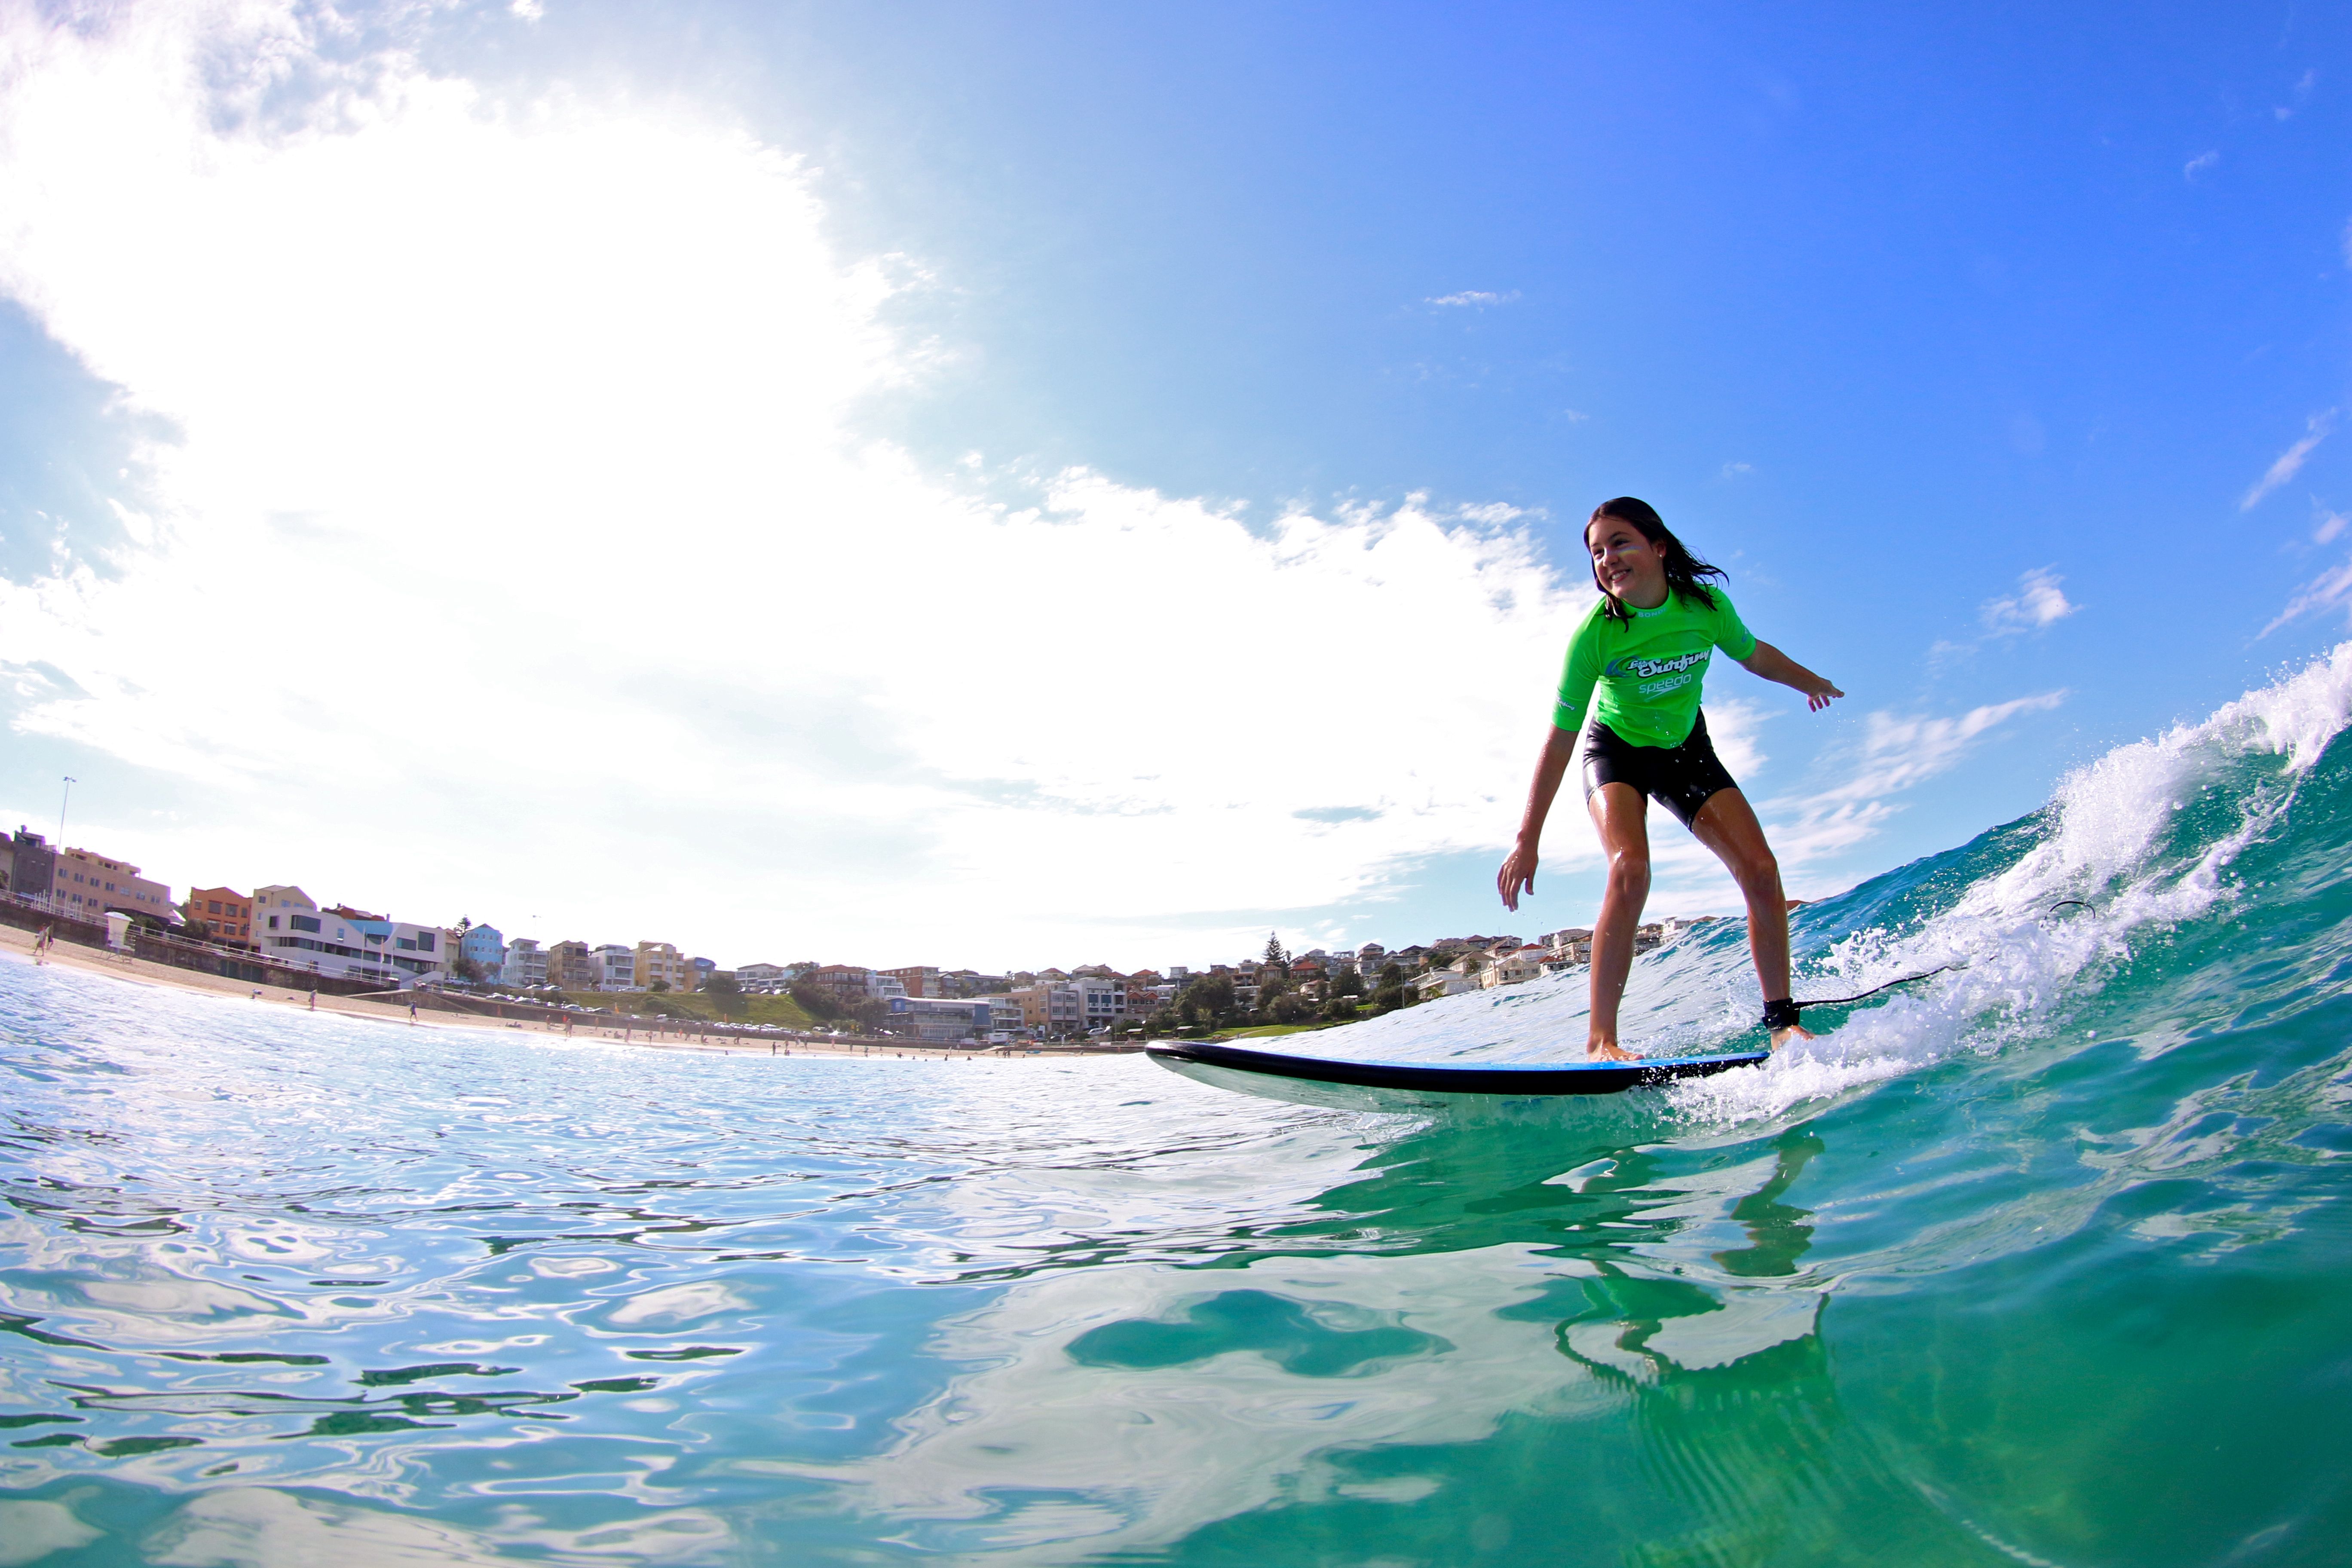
(2111, 865)
(2118, 835)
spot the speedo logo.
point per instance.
(1644, 669)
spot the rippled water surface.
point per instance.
(2044, 1261)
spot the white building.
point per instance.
(1511, 968)
(766, 979)
(616, 967)
(526, 965)
(290, 929)
(1101, 1003)
(1567, 947)
(950, 1020)
(1444, 983)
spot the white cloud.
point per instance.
(1733, 470)
(2330, 525)
(2290, 462)
(2330, 590)
(1478, 296)
(2301, 91)
(2202, 163)
(2038, 603)
(1898, 751)
(518, 459)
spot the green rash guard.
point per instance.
(1648, 670)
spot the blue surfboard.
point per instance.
(1534, 1078)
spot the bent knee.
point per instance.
(1761, 872)
(1625, 867)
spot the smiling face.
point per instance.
(1624, 563)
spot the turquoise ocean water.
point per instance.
(2046, 1261)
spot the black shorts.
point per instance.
(1682, 777)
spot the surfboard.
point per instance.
(1533, 1079)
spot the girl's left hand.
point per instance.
(1818, 697)
(1517, 875)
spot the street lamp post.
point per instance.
(56, 856)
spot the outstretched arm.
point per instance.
(1773, 665)
(1519, 872)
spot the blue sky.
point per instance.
(955, 483)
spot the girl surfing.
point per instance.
(1646, 645)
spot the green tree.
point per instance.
(726, 995)
(1208, 1000)
(658, 987)
(1274, 956)
(1347, 984)
(1272, 987)
(1290, 1007)
(818, 1001)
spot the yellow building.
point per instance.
(660, 960)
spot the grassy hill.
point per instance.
(781, 1011)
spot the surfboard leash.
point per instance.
(1781, 1015)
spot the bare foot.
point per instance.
(1608, 1051)
(1793, 1031)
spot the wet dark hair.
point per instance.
(1684, 570)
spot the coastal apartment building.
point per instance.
(922, 980)
(1102, 1002)
(1046, 1009)
(572, 967)
(1447, 982)
(344, 944)
(484, 947)
(768, 979)
(226, 914)
(1570, 945)
(81, 883)
(27, 866)
(972, 982)
(1512, 967)
(658, 962)
(940, 1020)
(852, 983)
(93, 886)
(1072, 1006)
(526, 965)
(616, 967)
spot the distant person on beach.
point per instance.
(1645, 647)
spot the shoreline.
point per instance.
(19, 946)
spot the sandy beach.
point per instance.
(18, 946)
